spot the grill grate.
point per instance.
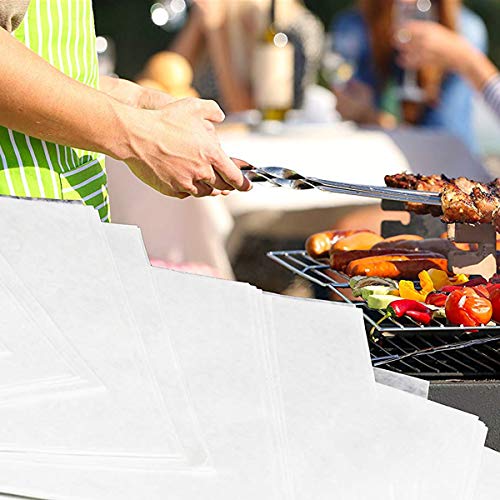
(436, 351)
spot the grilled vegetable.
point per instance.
(381, 302)
(441, 278)
(363, 281)
(466, 307)
(495, 303)
(411, 308)
(367, 291)
(360, 283)
(437, 299)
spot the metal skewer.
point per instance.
(285, 177)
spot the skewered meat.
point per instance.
(458, 206)
(467, 186)
(462, 200)
(401, 181)
(433, 184)
(486, 203)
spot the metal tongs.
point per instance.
(285, 177)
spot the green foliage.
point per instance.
(489, 10)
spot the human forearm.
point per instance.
(235, 95)
(40, 101)
(188, 41)
(173, 148)
(475, 67)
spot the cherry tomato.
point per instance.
(466, 307)
(495, 302)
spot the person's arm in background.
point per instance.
(175, 150)
(189, 42)
(208, 23)
(434, 44)
(356, 99)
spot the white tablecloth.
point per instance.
(347, 155)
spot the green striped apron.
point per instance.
(62, 32)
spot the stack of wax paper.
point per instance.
(121, 381)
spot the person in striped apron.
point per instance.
(56, 125)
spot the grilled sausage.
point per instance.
(403, 237)
(319, 245)
(399, 267)
(340, 260)
(431, 245)
(363, 240)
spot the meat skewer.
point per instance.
(462, 200)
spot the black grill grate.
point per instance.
(437, 351)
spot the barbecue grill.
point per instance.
(463, 364)
(434, 352)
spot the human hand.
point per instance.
(175, 150)
(356, 102)
(427, 43)
(149, 98)
(135, 95)
(213, 13)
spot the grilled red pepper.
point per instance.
(475, 282)
(495, 302)
(469, 284)
(411, 308)
(437, 299)
(451, 288)
(482, 291)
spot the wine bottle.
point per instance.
(273, 72)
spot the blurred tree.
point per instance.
(128, 23)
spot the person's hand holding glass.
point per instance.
(405, 12)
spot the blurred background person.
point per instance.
(366, 37)
(432, 44)
(219, 41)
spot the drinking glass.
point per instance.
(404, 12)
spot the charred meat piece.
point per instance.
(486, 203)
(462, 200)
(496, 220)
(402, 181)
(458, 206)
(467, 186)
(432, 184)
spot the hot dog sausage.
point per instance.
(401, 267)
(431, 245)
(318, 245)
(340, 260)
(364, 240)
